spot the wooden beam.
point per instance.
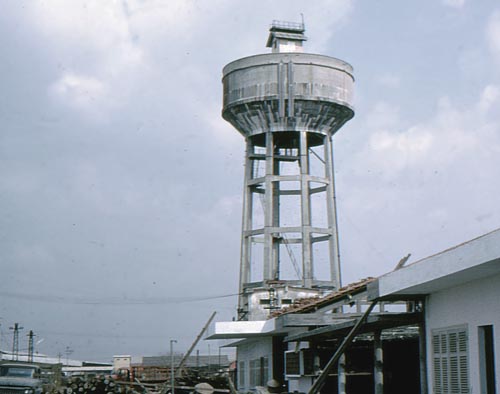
(378, 367)
(342, 379)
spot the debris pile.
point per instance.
(96, 385)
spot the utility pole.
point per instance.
(172, 366)
(31, 346)
(68, 351)
(208, 363)
(15, 341)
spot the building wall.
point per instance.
(472, 305)
(283, 297)
(121, 362)
(247, 354)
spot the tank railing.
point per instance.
(288, 25)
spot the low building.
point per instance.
(158, 368)
(425, 327)
(461, 287)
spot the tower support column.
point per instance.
(305, 201)
(333, 242)
(246, 224)
(270, 197)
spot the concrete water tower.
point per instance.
(287, 104)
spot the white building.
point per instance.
(446, 336)
(122, 362)
(462, 313)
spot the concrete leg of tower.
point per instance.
(272, 233)
(246, 240)
(305, 201)
(333, 242)
(269, 207)
(276, 237)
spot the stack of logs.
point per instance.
(96, 385)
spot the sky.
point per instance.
(121, 185)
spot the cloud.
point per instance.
(79, 91)
(413, 142)
(113, 50)
(383, 115)
(450, 135)
(493, 34)
(489, 97)
(389, 80)
(458, 4)
(430, 180)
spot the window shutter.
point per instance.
(451, 361)
(292, 363)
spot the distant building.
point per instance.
(122, 362)
(39, 358)
(157, 368)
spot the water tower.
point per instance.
(287, 104)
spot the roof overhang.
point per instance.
(243, 329)
(339, 329)
(472, 260)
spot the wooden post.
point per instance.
(378, 371)
(422, 358)
(342, 375)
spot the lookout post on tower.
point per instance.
(287, 104)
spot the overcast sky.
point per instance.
(120, 184)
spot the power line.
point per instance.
(111, 301)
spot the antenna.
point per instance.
(68, 351)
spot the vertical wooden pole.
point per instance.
(422, 358)
(342, 380)
(378, 372)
